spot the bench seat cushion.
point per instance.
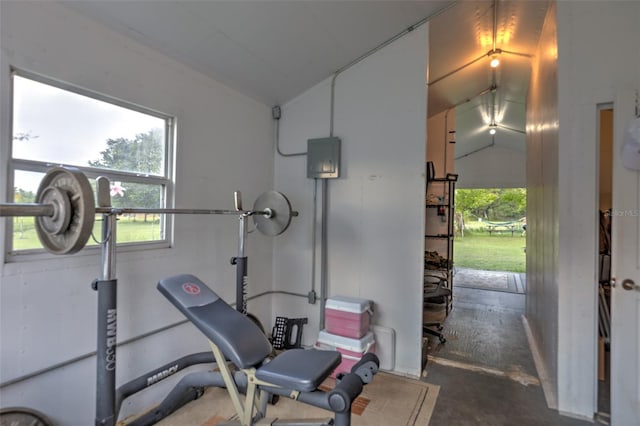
(300, 369)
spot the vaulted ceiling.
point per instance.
(460, 75)
(273, 50)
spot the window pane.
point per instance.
(131, 228)
(57, 126)
(24, 231)
(138, 227)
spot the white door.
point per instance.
(625, 299)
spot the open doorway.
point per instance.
(603, 287)
(490, 239)
(477, 106)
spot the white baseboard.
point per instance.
(549, 390)
(576, 416)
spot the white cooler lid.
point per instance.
(347, 343)
(348, 304)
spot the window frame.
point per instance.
(166, 181)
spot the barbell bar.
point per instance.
(65, 211)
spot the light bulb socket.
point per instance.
(493, 54)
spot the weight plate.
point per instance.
(280, 213)
(20, 416)
(70, 183)
(59, 222)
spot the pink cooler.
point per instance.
(347, 316)
(352, 350)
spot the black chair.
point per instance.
(435, 291)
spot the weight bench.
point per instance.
(295, 374)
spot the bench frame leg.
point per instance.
(256, 398)
(230, 384)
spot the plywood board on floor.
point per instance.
(392, 400)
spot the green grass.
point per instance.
(477, 250)
(496, 252)
(25, 237)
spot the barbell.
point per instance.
(65, 211)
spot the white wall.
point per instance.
(439, 149)
(375, 219)
(585, 80)
(562, 177)
(542, 304)
(494, 167)
(224, 143)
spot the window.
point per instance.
(56, 124)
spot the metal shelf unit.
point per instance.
(440, 229)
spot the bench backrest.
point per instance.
(239, 339)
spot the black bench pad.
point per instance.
(239, 339)
(300, 369)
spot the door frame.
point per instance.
(599, 108)
(620, 376)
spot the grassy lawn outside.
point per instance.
(129, 230)
(476, 250)
(496, 252)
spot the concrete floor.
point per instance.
(485, 371)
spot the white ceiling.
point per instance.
(273, 50)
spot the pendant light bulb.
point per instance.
(495, 62)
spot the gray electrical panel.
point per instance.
(323, 158)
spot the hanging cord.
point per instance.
(95, 240)
(93, 237)
(637, 104)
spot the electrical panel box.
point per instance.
(323, 158)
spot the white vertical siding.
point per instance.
(375, 220)
(48, 310)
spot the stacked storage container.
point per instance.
(347, 322)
